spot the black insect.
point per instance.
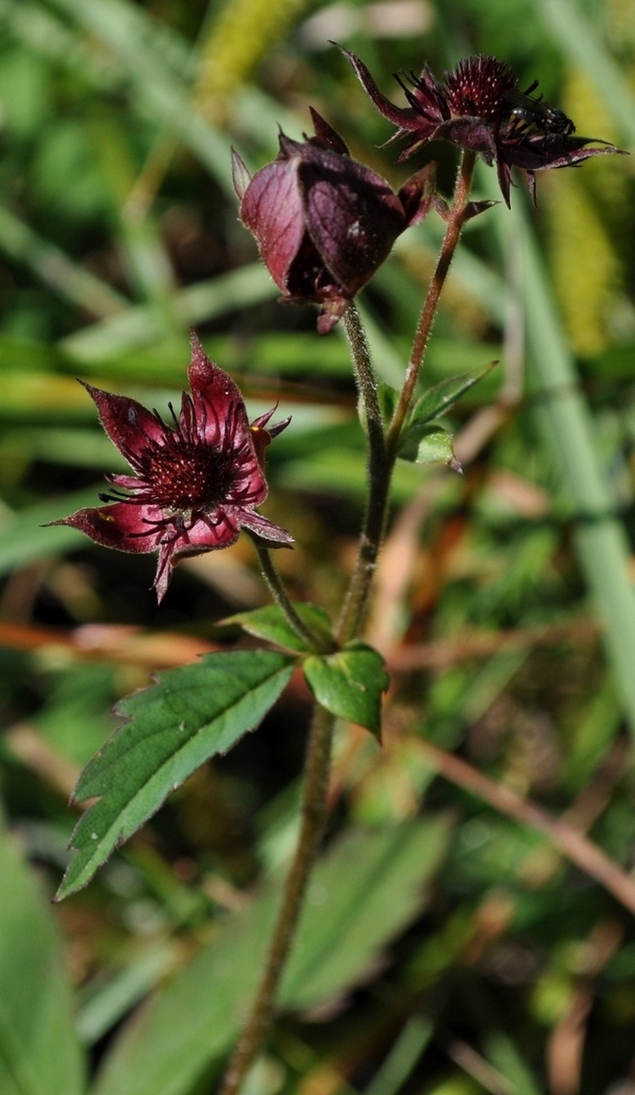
(536, 114)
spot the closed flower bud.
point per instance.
(323, 222)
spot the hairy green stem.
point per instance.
(380, 465)
(314, 810)
(276, 587)
(319, 746)
(382, 448)
(366, 381)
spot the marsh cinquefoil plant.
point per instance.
(324, 224)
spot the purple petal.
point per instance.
(203, 536)
(326, 135)
(129, 425)
(505, 180)
(417, 194)
(352, 215)
(163, 573)
(219, 410)
(428, 101)
(403, 118)
(553, 150)
(272, 209)
(472, 133)
(265, 530)
(122, 525)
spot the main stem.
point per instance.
(314, 805)
(383, 448)
(380, 465)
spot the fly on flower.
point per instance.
(197, 479)
(479, 107)
(536, 113)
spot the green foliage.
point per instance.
(366, 889)
(436, 401)
(270, 623)
(191, 714)
(429, 445)
(40, 1053)
(349, 684)
(446, 948)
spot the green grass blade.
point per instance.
(39, 1049)
(580, 41)
(139, 46)
(67, 279)
(196, 304)
(600, 538)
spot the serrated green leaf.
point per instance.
(191, 714)
(39, 1050)
(349, 684)
(427, 444)
(270, 623)
(366, 889)
(436, 401)
(432, 445)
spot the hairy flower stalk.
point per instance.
(197, 480)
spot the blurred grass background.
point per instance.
(476, 946)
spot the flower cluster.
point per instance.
(479, 106)
(197, 480)
(324, 223)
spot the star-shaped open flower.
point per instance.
(197, 480)
(479, 106)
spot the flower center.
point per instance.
(186, 475)
(475, 89)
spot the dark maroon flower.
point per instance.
(480, 107)
(197, 480)
(323, 222)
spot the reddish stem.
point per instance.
(456, 217)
